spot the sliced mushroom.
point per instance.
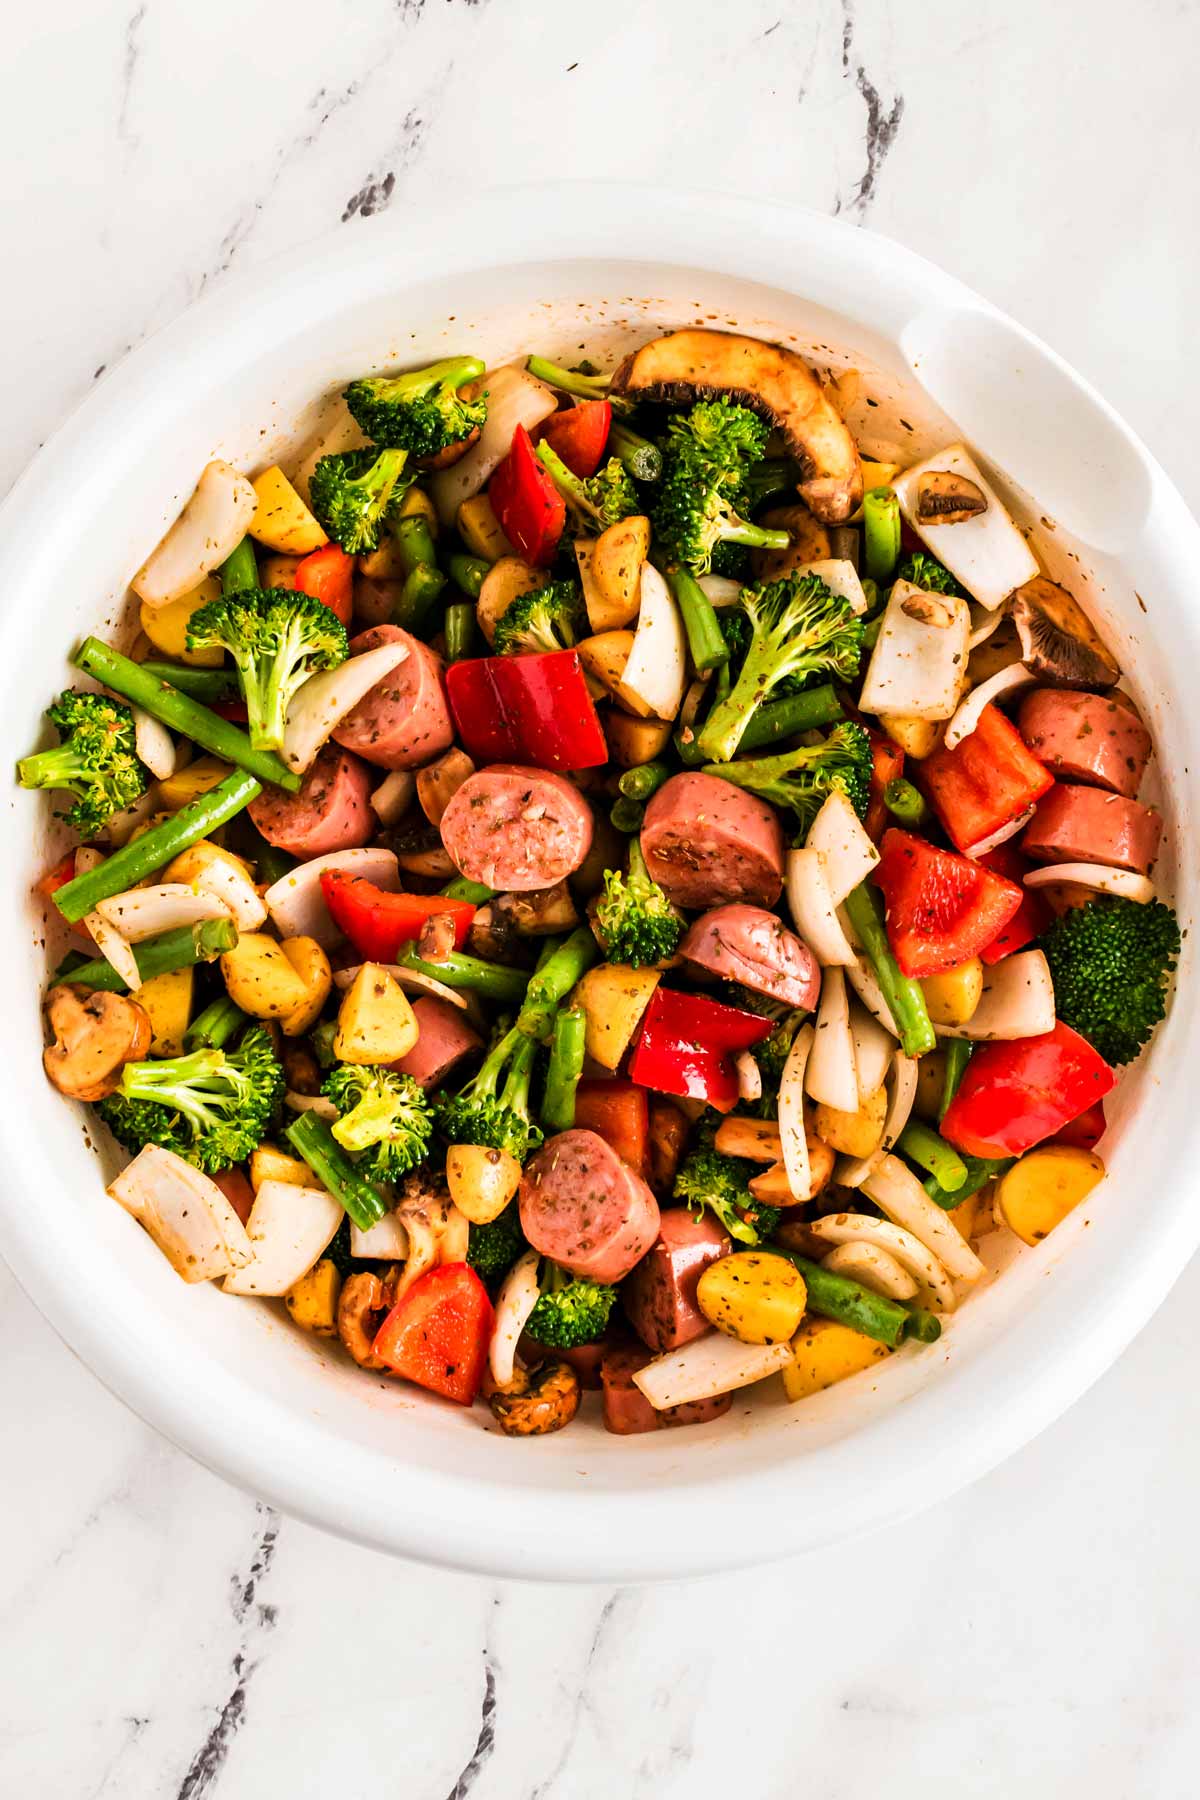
(946, 498)
(1058, 641)
(927, 609)
(437, 937)
(536, 1401)
(438, 782)
(775, 383)
(810, 542)
(95, 1035)
(539, 913)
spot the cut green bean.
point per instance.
(415, 541)
(212, 1029)
(922, 1145)
(871, 631)
(864, 909)
(784, 718)
(553, 980)
(642, 458)
(980, 1170)
(706, 641)
(642, 782)
(418, 597)
(311, 1139)
(881, 533)
(461, 888)
(627, 815)
(833, 1296)
(143, 855)
(958, 1055)
(495, 981)
(198, 684)
(458, 630)
(467, 572)
(564, 1069)
(906, 803)
(179, 948)
(240, 568)
(174, 709)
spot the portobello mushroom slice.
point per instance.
(777, 384)
(1058, 641)
(810, 542)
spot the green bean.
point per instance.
(553, 981)
(564, 1069)
(459, 630)
(213, 1028)
(776, 720)
(627, 815)
(199, 684)
(881, 532)
(642, 782)
(179, 948)
(240, 568)
(980, 1170)
(906, 803)
(932, 1153)
(418, 595)
(837, 1297)
(415, 542)
(467, 572)
(958, 1055)
(706, 641)
(311, 1138)
(463, 889)
(495, 981)
(864, 909)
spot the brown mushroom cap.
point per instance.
(1058, 641)
(95, 1035)
(946, 498)
(809, 543)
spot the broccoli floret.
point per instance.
(338, 1251)
(277, 638)
(569, 1312)
(421, 412)
(706, 1178)
(492, 1249)
(800, 628)
(212, 1108)
(635, 922)
(706, 462)
(1110, 962)
(496, 1115)
(547, 618)
(801, 779)
(97, 760)
(356, 493)
(597, 502)
(384, 1118)
(928, 573)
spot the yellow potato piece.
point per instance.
(313, 1301)
(605, 656)
(481, 1180)
(616, 573)
(1040, 1190)
(281, 520)
(613, 997)
(198, 778)
(260, 979)
(966, 1214)
(504, 582)
(853, 1134)
(166, 626)
(269, 1163)
(824, 1352)
(952, 996)
(753, 1296)
(375, 1022)
(931, 1074)
(168, 1000)
(916, 737)
(634, 741)
(480, 530)
(312, 966)
(278, 571)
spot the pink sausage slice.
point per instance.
(404, 720)
(1084, 824)
(706, 841)
(516, 829)
(1086, 737)
(750, 945)
(586, 1209)
(445, 1038)
(627, 1410)
(659, 1296)
(331, 811)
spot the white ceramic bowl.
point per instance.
(558, 270)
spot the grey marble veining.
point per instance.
(162, 1635)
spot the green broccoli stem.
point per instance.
(706, 642)
(627, 815)
(55, 768)
(494, 981)
(958, 1055)
(642, 458)
(174, 709)
(553, 980)
(417, 597)
(458, 630)
(143, 855)
(755, 537)
(864, 909)
(199, 684)
(906, 803)
(932, 1153)
(564, 1069)
(461, 888)
(414, 540)
(515, 1092)
(833, 1296)
(777, 719)
(980, 1170)
(565, 480)
(240, 568)
(642, 782)
(311, 1139)
(570, 381)
(881, 532)
(467, 572)
(179, 948)
(212, 1029)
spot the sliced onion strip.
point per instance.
(874, 1268)
(1004, 681)
(909, 1251)
(791, 1115)
(325, 699)
(847, 853)
(831, 1078)
(297, 905)
(115, 949)
(516, 1300)
(407, 978)
(313, 1103)
(154, 744)
(1121, 882)
(897, 1192)
(1017, 1001)
(708, 1366)
(141, 913)
(1001, 834)
(874, 1047)
(813, 911)
(749, 1076)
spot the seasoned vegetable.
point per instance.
(212, 1107)
(1110, 962)
(277, 640)
(753, 1296)
(422, 411)
(384, 1119)
(1041, 1188)
(97, 760)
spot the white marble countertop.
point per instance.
(160, 1634)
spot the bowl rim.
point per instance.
(532, 1533)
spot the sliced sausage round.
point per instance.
(331, 812)
(1084, 824)
(444, 1039)
(706, 841)
(750, 945)
(584, 1208)
(404, 720)
(627, 1410)
(659, 1296)
(1086, 737)
(516, 829)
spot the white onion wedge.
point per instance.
(1004, 681)
(141, 913)
(115, 948)
(656, 673)
(516, 1300)
(847, 853)
(514, 397)
(122, 825)
(1017, 1001)
(297, 905)
(720, 590)
(185, 1213)
(984, 623)
(154, 744)
(1001, 834)
(749, 1076)
(1122, 883)
(225, 879)
(831, 1078)
(288, 1228)
(708, 1366)
(874, 1047)
(873, 1268)
(919, 663)
(394, 795)
(987, 554)
(897, 1192)
(313, 1103)
(422, 1248)
(386, 1241)
(210, 528)
(325, 699)
(407, 978)
(812, 909)
(840, 577)
(791, 1114)
(909, 1251)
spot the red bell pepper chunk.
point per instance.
(887, 764)
(941, 908)
(438, 1334)
(328, 575)
(579, 435)
(687, 1044)
(526, 709)
(1017, 1094)
(378, 923)
(986, 781)
(531, 511)
(1085, 1132)
(619, 1112)
(1031, 917)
